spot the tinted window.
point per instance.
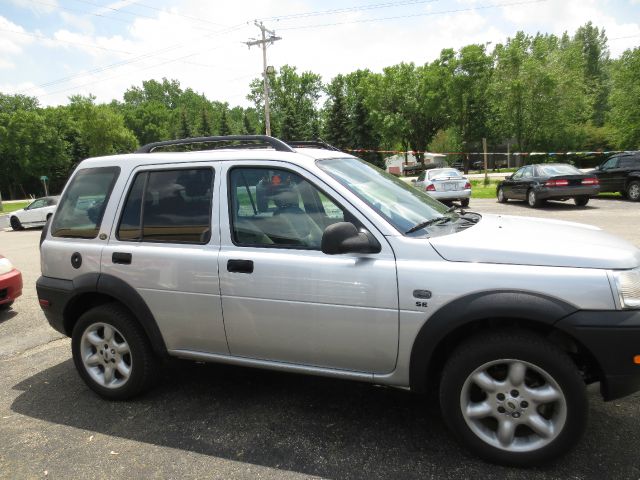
(611, 163)
(551, 170)
(37, 204)
(444, 173)
(519, 173)
(273, 207)
(80, 211)
(176, 207)
(630, 162)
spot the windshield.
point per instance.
(444, 173)
(401, 204)
(559, 170)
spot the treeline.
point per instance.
(532, 93)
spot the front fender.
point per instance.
(486, 305)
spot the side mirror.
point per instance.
(414, 180)
(344, 237)
(509, 177)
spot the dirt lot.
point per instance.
(208, 421)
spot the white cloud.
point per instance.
(13, 38)
(37, 8)
(214, 60)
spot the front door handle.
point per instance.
(121, 257)
(240, 266)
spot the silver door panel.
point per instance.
(186, 321)
(332, 336)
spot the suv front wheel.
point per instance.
(633, 191)
(112, 353)
(513, 398)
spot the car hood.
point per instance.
(534, 241)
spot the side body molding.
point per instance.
(493, 305)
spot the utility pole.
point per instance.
(270, 40)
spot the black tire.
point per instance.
(502, 198)
(464, 202)
(516, 347)
(633, 191)
(6, 306)
(144, 365)
(532, 199)
(581, 201)
(15, 223)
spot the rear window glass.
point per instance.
(82, 206)
(176, 207)
(552, 170)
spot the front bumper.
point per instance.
(548, 193)
(10, 286)
(613, 339)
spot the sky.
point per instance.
(52, 49)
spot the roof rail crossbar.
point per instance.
(318, 143)
(276, 144)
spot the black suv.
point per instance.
(621, 173)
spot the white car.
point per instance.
(445, 184)
(34, 215)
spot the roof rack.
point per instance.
(312, 144)
(276, 144)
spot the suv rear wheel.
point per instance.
(633, 191)
(513, 398)
(112, 353)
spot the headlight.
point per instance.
(628, 284)
(5, 266)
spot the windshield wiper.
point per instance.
(427, 223)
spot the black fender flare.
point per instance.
(124, 293)
(485, 305)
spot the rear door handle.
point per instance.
(121, 257)
(240, 266)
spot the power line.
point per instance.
(44, 37)
(336, 11)
(177, 14)
(119, 10)
(131, 60)
(106, 17)
(424, 14)
(140, 69)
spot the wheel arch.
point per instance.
(92, 290)
(497, 310)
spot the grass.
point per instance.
(12, 207)
(480, 190)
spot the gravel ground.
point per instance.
(212, 421)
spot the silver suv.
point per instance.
(310, 260)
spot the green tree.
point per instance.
(336, 128)
(624, 117)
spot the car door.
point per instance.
(286, 301)
(164, 243)
(33, 212)
(607, 175)
(519, 183)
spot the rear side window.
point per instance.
(80, 211)
(168, 206)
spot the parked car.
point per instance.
(445, 184)
(548, 181)
(313, 261)
(35, 214)
(10, 283)
(620, 173)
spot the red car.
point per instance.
(10, 283)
